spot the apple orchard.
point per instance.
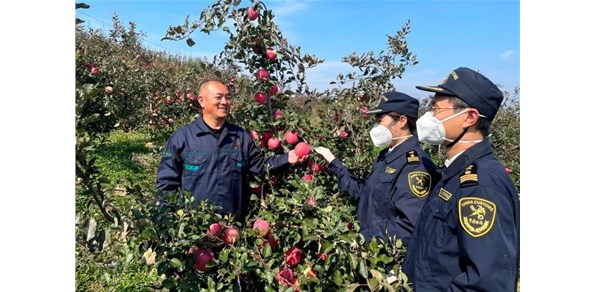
(301, 232)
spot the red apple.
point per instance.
(108, 89)
(271, 54)
(273, 90)
(273, 181)
(307, 177)
(252, 13)
(343, 134)
(364, 112)
(201, 257)
(278, 114)
(315, 167)
(260, 97)
(214, 229)
(261, 227)
(302, 149)
(322, 256)
(94, 70)
(265, 137)
(273, 143)
(262, 74)
(336, 117)
(230, 236)
(254, 135)
(293, 256)
(311, 201)
(291, 137)
(169, 100)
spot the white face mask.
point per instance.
(430, 130)
(381, 135)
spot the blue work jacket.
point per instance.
(392, 196)
(214, 169)
(468, 234)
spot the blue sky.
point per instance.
(482, 35)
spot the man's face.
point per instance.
(215, 100)
(443, 108)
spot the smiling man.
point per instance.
(211, 157)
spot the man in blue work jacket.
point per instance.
(468, 234)
(391, 197)
(211, 157)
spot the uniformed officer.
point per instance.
(391, 197)
(211, 157)
(468, 234)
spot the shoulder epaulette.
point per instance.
(470, 176)
(412, 157)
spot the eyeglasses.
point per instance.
(434, 109)
(379, 118)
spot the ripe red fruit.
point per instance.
(311, 201)
(364, 112)
(169, 100)
(260, 97)
(322, 256)
(278, 114)
(271, 54)
(302, 149)
(265, 137)
(307, 177)
(214, 229)
(293, 256)
(336, 117)
(343, 134)
(252, 13)
(230, 236)
(254, 135)
(273, 181)
(273, 90)
(170, 120)
(201, 257)
(285, 277)
(94, 70)
(108, 89)
(261, 227)
(315, 167)
(257, 190)
(273, 143)
(291, 137)
(262, 74)
(272, 240)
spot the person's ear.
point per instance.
(472, 117)
(200, 99)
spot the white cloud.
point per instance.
(507, 54)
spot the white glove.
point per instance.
(325, 152)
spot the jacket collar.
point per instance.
(401, 149)
(469, 156)
(202, 128)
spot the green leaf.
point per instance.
(362, 268)
(176, 262)
(337, 277)
(266, 251)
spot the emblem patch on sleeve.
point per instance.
(419, 183)
(477, 215)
